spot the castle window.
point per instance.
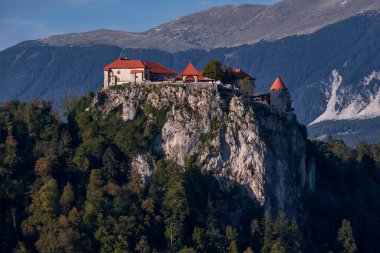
(118, 72)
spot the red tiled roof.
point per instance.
(200, 75)
(192, 79)
(278, 85)
(135, 71)
(189, 71)
(240, 74)
(136, 64)
(125, 64)
(158, 68)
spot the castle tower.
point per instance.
(279, 96)
(191, 72)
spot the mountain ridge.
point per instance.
(227, 26)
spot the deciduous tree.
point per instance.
(213, 70)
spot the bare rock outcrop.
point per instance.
(240, 141)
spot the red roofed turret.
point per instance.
(190, 70)
(278, 85)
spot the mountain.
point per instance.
(31, 70)
(228, 26)
(332, 74)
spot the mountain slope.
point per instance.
(31, 70)
(228, 26)
(307, 64)
(246, 24)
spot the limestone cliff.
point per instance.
(240, 141)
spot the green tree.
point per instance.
(10, 151)
(111, 236)
(113, 169)
(143, 245)
(213, 70)
(199, 239)
(231, 236)
(228, 75)
(43, 211)
(61, 235)
(346, 237)
(247, 86)
(67, 198)
(268, 234)
(282, 236)
(175, 209)
(95, 199)
(20, 248)
(47, 198)
(69, 102)
(187, 250)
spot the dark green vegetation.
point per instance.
(68, 187)
(213, 70)
(347, 188)
(247, 86)
(348, 130)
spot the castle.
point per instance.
(278, 97)
(190, 74)
(124, 70)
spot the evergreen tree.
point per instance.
(175, 208)
(231, 236)
(20, 248)
(268, 240)
(95, 199)
(282, 236)
(199, 239)
(346, 238)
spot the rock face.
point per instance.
(143, 165)
(240, 141)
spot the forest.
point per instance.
(66, 186)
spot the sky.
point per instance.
(22, 20)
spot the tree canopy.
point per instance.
(213, 70)
(68, 186)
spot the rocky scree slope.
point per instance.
(241, 142)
